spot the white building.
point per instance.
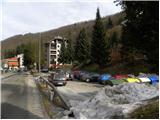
(52, 50)
(21, 60)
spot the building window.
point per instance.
(53, 52)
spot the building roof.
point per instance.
(13, 59)
(55, 38)
(58, 37)
(12, 63)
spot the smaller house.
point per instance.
(14, 63)
(10, 63)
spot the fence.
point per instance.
(55, 96)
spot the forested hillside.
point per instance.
(69, 31)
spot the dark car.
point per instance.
(76, 74)
(45, 70)
(81, 74)
(58, 79)
(90, 77)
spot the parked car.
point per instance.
(4, 70)
(82, 74)
(1, 69)
(44, 70)
(76, 74)
(69, 75)
(103, 78)
(90, 77)
(58, 79)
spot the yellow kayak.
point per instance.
(132, 80)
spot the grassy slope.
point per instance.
(119, 68)
(149, 111)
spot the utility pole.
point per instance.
(39, 54)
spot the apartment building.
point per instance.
(52, 50)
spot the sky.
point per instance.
(31, 16)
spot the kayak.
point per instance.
(132, 80)
(144, 79)
(154, 79)
(115, 82)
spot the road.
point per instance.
(8, 74)
(20, 98)
(76, 91)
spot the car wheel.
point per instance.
(87, 80)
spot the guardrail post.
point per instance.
(51, 95)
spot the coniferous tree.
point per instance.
(99, 47)
(82, 48)
(109, 23)
(140, 35)
(20, 49)
(62, 57)
(29, 58)
(9, 53)
(113, 40)
(69, 51)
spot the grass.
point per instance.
(45, 100)
(149, 111)
(118, 68)
(91, 68)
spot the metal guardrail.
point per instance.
(66, 105)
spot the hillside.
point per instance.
(65, 31)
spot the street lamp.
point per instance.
(39, 66)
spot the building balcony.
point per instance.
(53, 48)
(53, 52)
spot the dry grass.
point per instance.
(149, 111)
(48, 104)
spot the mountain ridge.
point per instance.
(71, 30)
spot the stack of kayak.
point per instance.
(119, 79)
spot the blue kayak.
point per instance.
(104, 77)
(154, 78)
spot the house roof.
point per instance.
(13, 63)
(13, 59)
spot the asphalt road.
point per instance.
(76, 91)
(20, 98)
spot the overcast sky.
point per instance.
(30, 16)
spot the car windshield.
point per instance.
(59, 77)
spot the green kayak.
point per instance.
(115, 82)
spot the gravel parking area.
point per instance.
(79, 91)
